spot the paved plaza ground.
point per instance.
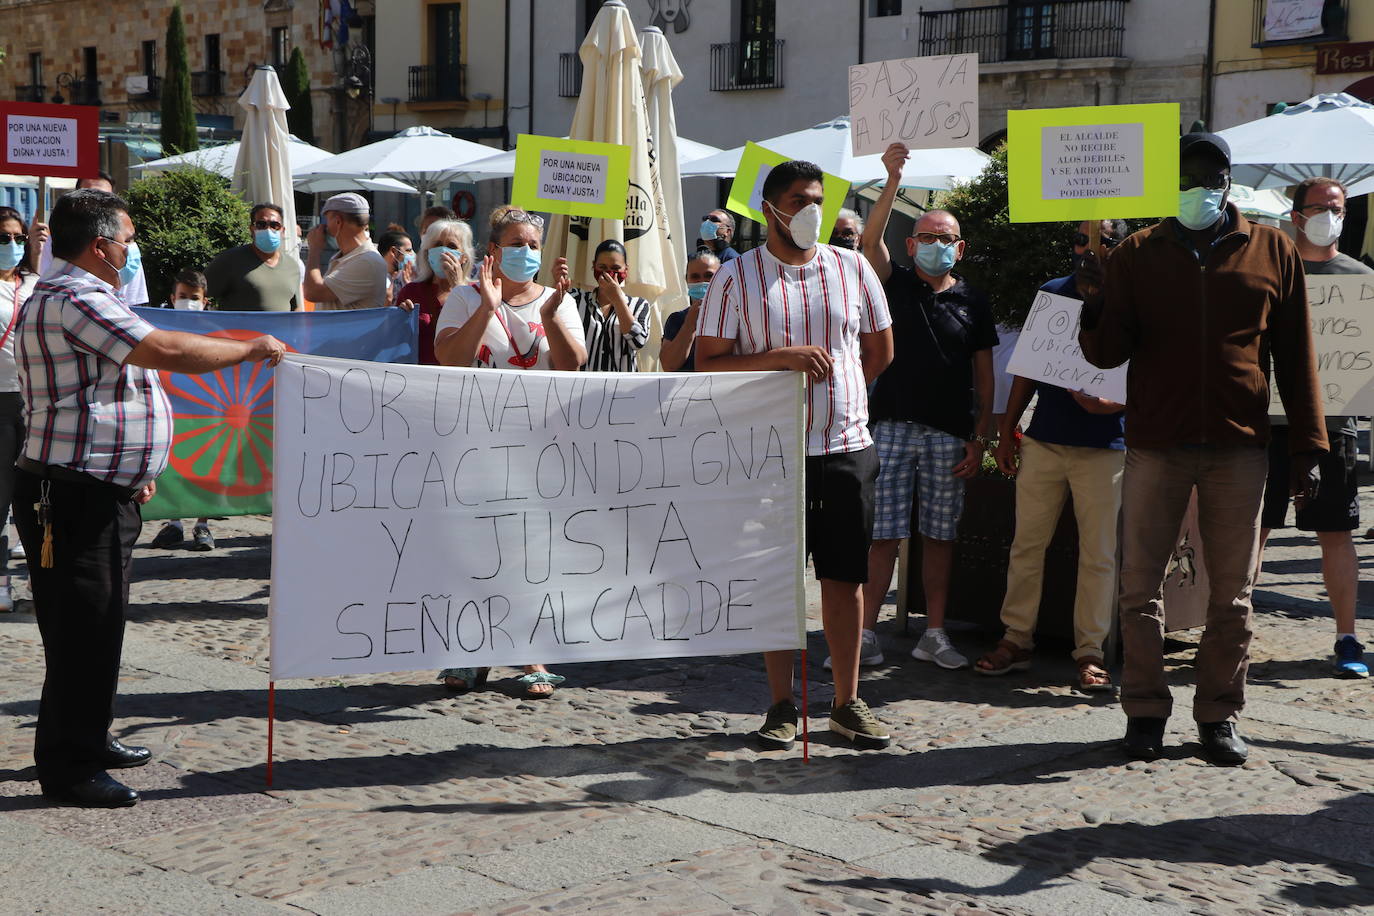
(636, 790)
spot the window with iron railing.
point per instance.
(1027, 30)
(569, 75)
(437, 84)
(207, 83)
(30, 93)
(746, 65)
(1323, 20)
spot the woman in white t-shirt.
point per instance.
(16, 284)
(508, 321)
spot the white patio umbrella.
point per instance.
(502, 165)
(221, 159)
(611, 109)
(827, 145)
(262, 171)
(1331, 134)
(661, 75)
(421, 157)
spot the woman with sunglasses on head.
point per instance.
(259, 276)
(616, 324)
(16, 284)
(508, 321)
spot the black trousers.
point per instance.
(80, 603)
(11, 440)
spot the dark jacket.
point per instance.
(1200, 334)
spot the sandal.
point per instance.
(539, 685)
(1092, 677)
(1007, 657)
(464, 680)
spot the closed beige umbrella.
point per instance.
(661, 76)
(262, 171)
(611, 109)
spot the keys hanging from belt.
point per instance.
(44, 509)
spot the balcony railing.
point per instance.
(30, 93)
(438, 84)
(84, 92)
(207, 83)
(746, 65)
(1335, 18)
(1036, 31)
(569, 75)
(153, 93)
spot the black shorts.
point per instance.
(839, 513)
(1337, 506)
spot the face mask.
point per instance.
(845, 241)
(709, 228)
(267, 240)
(935, 258)
(408, 259)
(520, 262)
(435, 257)
(133, 263)
(1199, 208)
(698, 290)
(1323, 229)
(189, 305)
(804, 225)
(11, 253)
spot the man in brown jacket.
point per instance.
(1200, 304)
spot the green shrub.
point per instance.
(178, 112)
(184, 218)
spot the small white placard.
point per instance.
(1047, 351)
(1341, 311)
(573, 177)
(41, 141)
(924, 102)
(1091, 161)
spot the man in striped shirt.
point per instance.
(796, 305)
(99, 430)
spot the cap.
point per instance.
(348, 202)
(1204, 142)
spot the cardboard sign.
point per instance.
(1047, 351)
(1285, 20)
(924, 102)
(1103, 162)
(51, 141)
(746, 191)
(1341, 310)
(428, 517)
(576, 177)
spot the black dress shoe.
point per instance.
(119, 756)
(1145, 737)
(100, 791)
(1222, 744)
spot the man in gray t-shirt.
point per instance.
(1318, 214)
(258, 277)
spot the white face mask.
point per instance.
(189, 305)
(1323, 229)
(804, 225)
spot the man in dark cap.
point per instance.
(1200, 304)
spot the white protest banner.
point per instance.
(924, 102)
(429, 517)
(1341, 311)
(1288, 19)
(1047, 351)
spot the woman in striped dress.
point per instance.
(616, 324)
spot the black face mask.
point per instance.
(845, 241)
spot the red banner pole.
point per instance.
(806, 707)
(271, 714)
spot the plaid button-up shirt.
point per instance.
(85, 409)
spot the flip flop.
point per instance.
(470, 679)
(537, 679)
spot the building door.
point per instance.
(758, 31)
(446, 49)
(1030, 30)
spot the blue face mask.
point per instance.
(698, 290)
(133, 263)
(408, 259)
(435, 257)
(709, 228)
(936, 259)
(267, 240)
(1199, 208)
(520, 262)
(11, 253)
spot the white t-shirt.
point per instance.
(358, 280)
(762, 304)
(12, 295)
(514, 338)
(136, 293)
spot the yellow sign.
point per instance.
(746, 192)
(1097, 162)
(576, 177)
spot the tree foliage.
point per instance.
(296, 86)
(178, 113)
(184, 218)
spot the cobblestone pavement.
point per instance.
(635, 788)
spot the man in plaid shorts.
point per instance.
(923, 410)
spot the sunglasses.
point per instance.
(19, 237)
(1082, 241)
(266, 224)
(520, 216)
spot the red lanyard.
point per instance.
(14, 315)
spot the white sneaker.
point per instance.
(6, 600)
(870, 652)
(935, 647)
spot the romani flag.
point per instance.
(221, 461)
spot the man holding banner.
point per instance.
(1318, 213)
(795, 305)
(99, 433)
(1195, 303)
